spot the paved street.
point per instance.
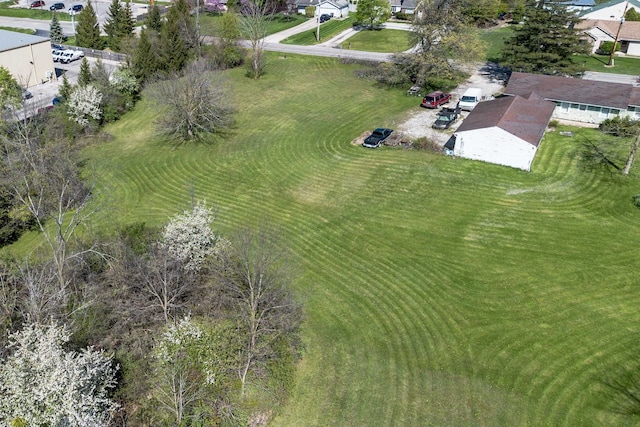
(613, 78)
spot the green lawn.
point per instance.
(439, 291)
(494, 39)
(210, 23)
(18, 30)
(328, 30)
(40, 13)
(379, 41)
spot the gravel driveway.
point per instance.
(486, 77)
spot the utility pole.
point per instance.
(615, 41)
(318, 30)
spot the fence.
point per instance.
(102, 54)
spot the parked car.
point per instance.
(435, 99)
(56, 6)
(76, 8)
(58, 56)
(446, 117)
(57, 100)
(377, 137)
(55, 47)
(324, 17)
(470, 98)
(37, 3)
(26, 94)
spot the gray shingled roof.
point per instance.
(12, 40)
(567, 89)
(523, 116)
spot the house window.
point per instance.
(604, 112)
(564, 106)
(593, 108)
(575, 106)
(634, 112)
(582, 107)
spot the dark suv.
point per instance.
(56, 6)
(76, 8)
(324, 17)
(435, 99)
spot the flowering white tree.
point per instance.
(188, 362)
(42, 384)
(124, 81)
(84, 104)
(188, 236)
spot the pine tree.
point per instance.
(127, 21)
(56, 34)
(154, 20)
(546, 42)
(112, 25)
(87, 29)
(65, 88)
(177, 37)
(145, 62)
(84, 76)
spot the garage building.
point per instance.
(28, 58)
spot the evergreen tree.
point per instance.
(145, 62)
(84, 76)
(56, 34)
(154, 20)
(112, 24)
(65, 88)
(127, 21)
(546, 42)
(632, 15)
(87, 28)
(177, 37)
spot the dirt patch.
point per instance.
(418, 123)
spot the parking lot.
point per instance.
(44, 93)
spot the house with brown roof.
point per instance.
(598, 31)
(585, 101)
(505, 131)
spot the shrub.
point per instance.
(403, 16)
(636, 200)
(623, 127)
(605, 47)
(310, 11)
(424, 143)
(553, 123)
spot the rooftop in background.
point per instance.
(590, 92)
(12, 40)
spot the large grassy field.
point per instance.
(379, 41)
(438, 291)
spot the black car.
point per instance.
(446, 117)
(324, 17)
(56, 6)
(377, 137)
(76, 8)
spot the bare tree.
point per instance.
(256, 15)
(165, 281)
(195, 104)
(607, 151)
(45, 179)
(255, 280)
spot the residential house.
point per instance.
(27, 57)
(585, 101)
(598, 31)
(335, 8)
(301, 5)
(403, 6)
(577, 5)
(505, 131)
(611, 10)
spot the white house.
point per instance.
(578, 100)
(612, 10)
(599, 31)
(301, 5)
(577, 5)
(335, 8)
(403, 6)
(504, 131)
(28, 58)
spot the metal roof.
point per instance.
(577, 91)
(610, 3)
(523, 116)
(13, 40)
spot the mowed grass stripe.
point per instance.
(439, 291)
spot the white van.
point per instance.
(470, 99)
